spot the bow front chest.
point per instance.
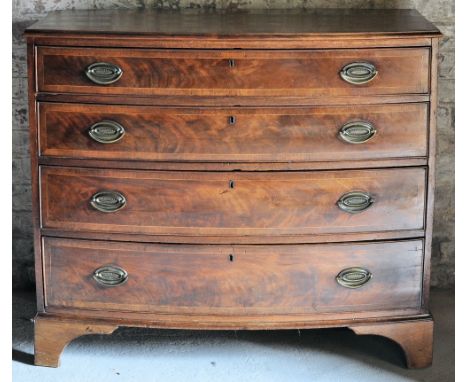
(248, 170)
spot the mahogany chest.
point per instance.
(247, 170)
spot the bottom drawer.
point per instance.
(224, 279)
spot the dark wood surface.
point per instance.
(53, 332)
(255, 73)
(184, 203)
(233, 134)
(271, 42)
(236, 322)
(288, 99)
(414, 337)
(431, 172)
(51, 336)
(33, 150)
(232, 166)
(232, 101)
(233, 279)
(226, 24)
(250, 239)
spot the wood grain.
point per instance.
(231, 166)
(232, 279)
(255, 72)
(245, 29)
(226, 24)
(431, 171)
(33, 151)
(52, 335)
(272, 238)
(255, 134)
(231, 101)
(183, 221)
(54, 332)
(326, 41)
(178, 203)
(414, 337)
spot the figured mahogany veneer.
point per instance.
(245, 170)
(233, 134)
(237, 280)
(233, 204)
(227, 73)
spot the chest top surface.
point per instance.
(246, 23)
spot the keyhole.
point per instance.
(232, 63)
(231, 184)
(231, 258)
(232, 120)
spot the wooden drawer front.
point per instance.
(231, 279)
(247, 134)
(203, 203)
(233, 72)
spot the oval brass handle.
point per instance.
(354, 277)
(357, 132)
(103, 73)
(110, 275)
(108, 201)
(358, 73)
(355, 201)
(106, 132)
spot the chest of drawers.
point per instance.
(250, 170)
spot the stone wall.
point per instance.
(440, 12)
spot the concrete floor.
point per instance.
(143, 355)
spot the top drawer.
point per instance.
(342, 72)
